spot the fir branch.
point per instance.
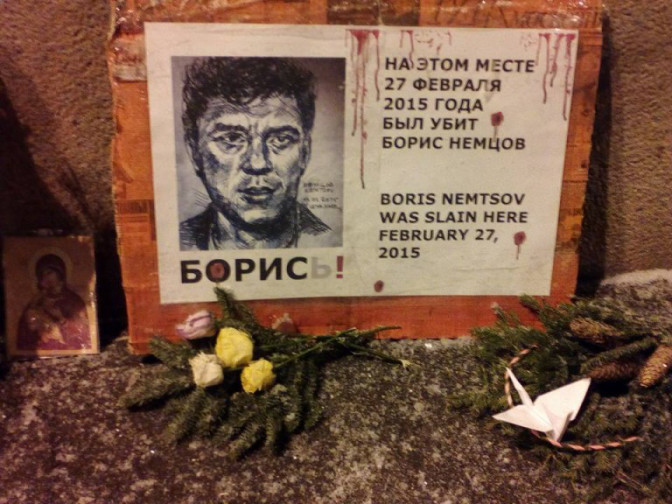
(227, 414)
(504, 317)
(262, 419)
(531, 303)
(212, 414)
(274, 412)
(251, 435)
(364, 351)
(369, 334)
(272, 430)
(232, 310)
(162, 385)
(312, 410)
(186, 420)
(242, 410)
(174, 355)
(279, 346)
(608, 414)
(316, 348)
(554, 319)
(348, 340)
(294, 409)
(620, 353)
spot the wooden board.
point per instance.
(420, 317)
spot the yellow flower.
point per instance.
(257, 376)
(234, 347)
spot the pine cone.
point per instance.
(615, 371)
(656, 367)
(594, 331)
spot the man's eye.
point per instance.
(281, 141)
(230, 140)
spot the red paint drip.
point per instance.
(355, 97)
(518, 239)
(568, 71)
(339, 266)
(359, 55)
(376, 34)
(410, 39)
(379, 286)
(546, 36)
(556, 52)
(552, 59)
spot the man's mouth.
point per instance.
(257, 195)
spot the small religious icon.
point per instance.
(51, 302)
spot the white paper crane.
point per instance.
(550, 412)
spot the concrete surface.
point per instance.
(387, 436)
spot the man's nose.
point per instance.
(257, 162)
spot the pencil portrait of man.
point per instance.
(248, 126)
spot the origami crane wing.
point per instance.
(550, 412)
(568, 398)
(525, 416)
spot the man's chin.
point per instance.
(261, 222)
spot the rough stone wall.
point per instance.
(628, 223)
(58, 174)
(55, 111)
(52, 63)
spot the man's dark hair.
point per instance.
(240, 81)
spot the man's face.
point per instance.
(251, 158)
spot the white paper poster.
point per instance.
(320, 161)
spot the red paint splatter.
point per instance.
(518, 239)
(568, 71)
(527, 40)
(433, 39)
(359, 55)
(496, 119)
(217, 272)
(379, 286)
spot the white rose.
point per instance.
(206, 370)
